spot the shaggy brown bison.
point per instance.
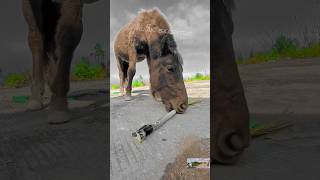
(148, 36)
(229, 107)
(55, 29)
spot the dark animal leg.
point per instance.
(36, 44)
(123, 69)
(39, 63)
(130, 74)
(67, 37)
(230, 112)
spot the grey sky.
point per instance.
(15, 54)
(258, 22)
(190, 19)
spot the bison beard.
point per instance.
(229, 107)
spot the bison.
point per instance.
(55, 30)
(148, 36)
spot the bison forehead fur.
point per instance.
(148, 33)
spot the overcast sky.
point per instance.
(15, 53)
(258, 22)
(190, 19)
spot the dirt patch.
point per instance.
(191, 148)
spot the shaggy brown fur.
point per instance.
(148, 36)
(55, 29)
(229, 108)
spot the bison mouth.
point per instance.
(180, 108)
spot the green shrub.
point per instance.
(115, 86)
(283, 44)
(138, 82)
(86, 71)
(198, 77)
(16, 80)
(135, 83)
(284, 48)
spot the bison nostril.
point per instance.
(183, 107)
(231, 144)
(236, 143)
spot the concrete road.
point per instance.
(30, 149)
(148, 160)
(283, 90)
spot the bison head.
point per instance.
(166, 77)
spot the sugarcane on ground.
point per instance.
(148, 160)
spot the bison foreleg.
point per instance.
(130, 74)
(67, 37)
(122, 69)
(39, 62)
(36, 44)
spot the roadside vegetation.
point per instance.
(283, 48)
(198, 77)
(90, 67)
(16, 80)
(139, 82)
(84, 70)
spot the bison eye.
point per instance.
(171, 68)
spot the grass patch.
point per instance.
(16, 80)
(198, 77)
(284, 48)
(115, 86)
(140, 81)
(135, 83)
(87, 71)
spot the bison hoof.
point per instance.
(128, 98)
(157, 97)
(58, 117)
(34, 105)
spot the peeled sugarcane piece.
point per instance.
(201, 163)
(146, 130)
(267, 128)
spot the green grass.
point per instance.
(140, 81)
(87, 71)
(136, 83)
(115, 86)
(284, 48)
(198, 77)
(16, 80)
(81, 71)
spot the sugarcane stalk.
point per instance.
(269, 127)
(141, 134)
(146, 130)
